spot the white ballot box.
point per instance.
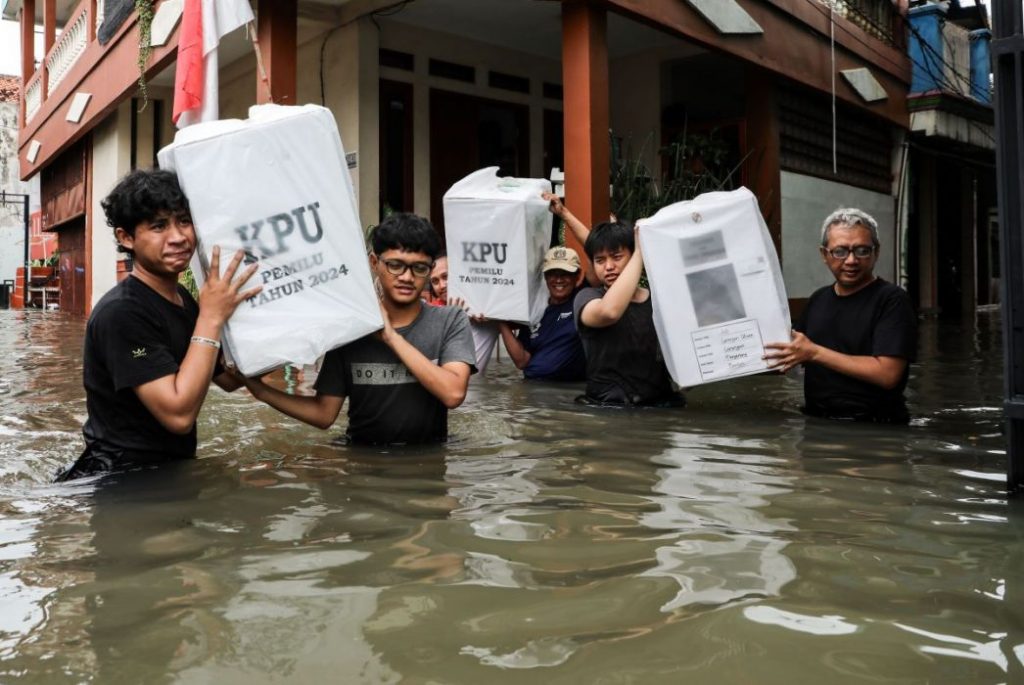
(716, 284)
(498, 230)
(276, 185)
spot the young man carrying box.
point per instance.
(401, 381)
(616, 320)
(150, 350)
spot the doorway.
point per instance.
(468, 133)
(72, 266)
(396, 147)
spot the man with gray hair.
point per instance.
(856, 337)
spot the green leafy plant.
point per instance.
(145, 11)
(692, 164)
(188, 279)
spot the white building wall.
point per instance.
(12, 212)
(806, 201)
(111, 159)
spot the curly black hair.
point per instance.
(142, 195)
(406, 232)
(608, 237)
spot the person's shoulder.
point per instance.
(587, 294)
(822, 292)
(115, 303)
(891, 290)
(443, 316)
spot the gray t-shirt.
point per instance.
(386, 403)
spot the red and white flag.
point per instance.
(196, 85)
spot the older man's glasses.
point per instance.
(859, 252)
(396, 267)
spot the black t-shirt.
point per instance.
(134, 336)
(386, 403)
(624, 361)
(877, 320)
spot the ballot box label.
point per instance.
(731, 349)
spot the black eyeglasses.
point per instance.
(859, 251)
(396, 267)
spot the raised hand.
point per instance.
(555, 205)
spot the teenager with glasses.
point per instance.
(856, 337)
(400, 382)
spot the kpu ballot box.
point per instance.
(276, 186)
(497, 231)
(716, 285)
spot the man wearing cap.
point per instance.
(551, 349)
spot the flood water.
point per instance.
(735, 541)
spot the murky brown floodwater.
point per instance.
(731, 542)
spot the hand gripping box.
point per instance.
(497, 231)
(276, 185)
(716, 284)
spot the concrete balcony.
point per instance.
(79, 79)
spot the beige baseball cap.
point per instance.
(561, 257)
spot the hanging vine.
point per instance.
(145, 10)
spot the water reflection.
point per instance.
(735, 541)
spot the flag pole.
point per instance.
(251, 30)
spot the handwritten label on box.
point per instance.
(730, 349)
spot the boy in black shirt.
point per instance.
(150, 350)
(401, 381)
(616, 325)
(856, 337)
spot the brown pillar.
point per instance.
(28, 43)
(585, 112)
(49, 38)
(276, 27)
(91, 35)
(762, 173)
(927, 221)
(968, 241)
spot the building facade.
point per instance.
(952, 265)
(805, 98)
(12, 191)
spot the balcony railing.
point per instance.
(62, 56)
(956, 48)
(878, 18)
(33, 95)
(69, 47)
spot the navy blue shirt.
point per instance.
(556, 353)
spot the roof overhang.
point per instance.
(10, 9)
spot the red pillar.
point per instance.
(585, 111)
(49, 38)
(28, 42)
(276, 29)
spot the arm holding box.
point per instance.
(447, 381)
(319, 410)
(174, 400)
(607, 310)
(575, 225)
(516, 350)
